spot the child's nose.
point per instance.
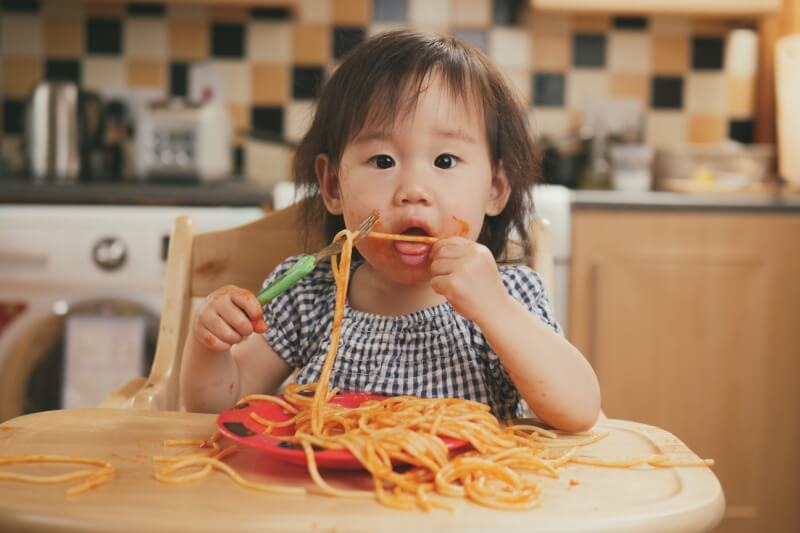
(412, 193)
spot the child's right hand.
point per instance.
(228, 316)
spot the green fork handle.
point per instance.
(302, 268)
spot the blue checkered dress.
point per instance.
(433, 352)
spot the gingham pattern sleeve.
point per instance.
(293, 316)
(527, 287)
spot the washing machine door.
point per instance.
(75, 355)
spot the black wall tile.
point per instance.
(62, 70)
(707, 53)
(179, 79)
(390, 10)
(741, 130)
(270, 13)
(548, 89)
(504, 12)
(20, 6)
(238, 160)
(589, 50)
(667, 92)
(13, 116)
(306, 82)
(227, 39)
(104, 36)
(267, 118)
(630, 23)
(146, 9)
(345, 39)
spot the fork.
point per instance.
(306, 264)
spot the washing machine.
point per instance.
(81, 291)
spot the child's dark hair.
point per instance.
(381, 79)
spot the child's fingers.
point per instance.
(235, 318)
(210, 341)
(221, 329)
(248, 303)
(441, 267)
(450, 247)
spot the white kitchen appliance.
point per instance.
(80, 297)
(787, 82)
(178, 140)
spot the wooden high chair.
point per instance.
(199, 263)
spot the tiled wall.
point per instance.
(274, 59)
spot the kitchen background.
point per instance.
(673, 125)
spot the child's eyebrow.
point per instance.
(371, 135)
(460, 135)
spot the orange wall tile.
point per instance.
(64, 37)
(706, 129)
(20, 75)
(670, 53)
(188, 40)
(311, 44)
(351, 12)
(270, 84)
(145, 73)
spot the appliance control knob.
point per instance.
(110, 253)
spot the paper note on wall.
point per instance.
(102, 354)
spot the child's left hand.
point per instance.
(466, 273)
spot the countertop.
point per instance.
(238, 192)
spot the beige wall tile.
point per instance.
(270, 42)
(551, 51)
(670, 24)
(314, 11)
(311, 44)
(298, 119)
(240, 120)
(13, 152)
(228, 13)
(510, 47)
(670, 53)
(666, 128)
(104, 73)
(706, 93)
(20, 75)
(431, 13)
(741, 96)
(21, 35)
(521, 82)
(629, 52)
(148, 73)
(549, 122)
(551, 22)
(64, 36)
(591, 23)
(236, 76)
(472, 13)
(146, 38)
(631, 85)
(188, 39)
(707, 129)
(585, 86)
(266, 163)
(187, 12)
(105, 9)
(351, 12)
(269, 83)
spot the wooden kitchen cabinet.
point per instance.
(736, 8)
(692, 321)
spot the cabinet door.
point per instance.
(684, 316)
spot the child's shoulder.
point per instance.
(521, 278)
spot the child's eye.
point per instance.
(445, 161)
(382, 161)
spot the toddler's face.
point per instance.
(428, 175)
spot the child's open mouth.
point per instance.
(413, 253)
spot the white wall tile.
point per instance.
(706, 93)
(270, 41)
(145, 38)
(21, 35)
(510, 47)
(629, 52)
(102, 73)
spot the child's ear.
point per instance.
(499, 193)
(328, 184)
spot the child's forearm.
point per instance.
(209, 380)
(551, 375)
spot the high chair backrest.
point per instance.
(199, 263)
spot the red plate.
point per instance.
(236, 424)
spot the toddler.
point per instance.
(424, 130)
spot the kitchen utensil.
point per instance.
(787, 81)
(237, 424)
(63, 125)
(306, 264)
